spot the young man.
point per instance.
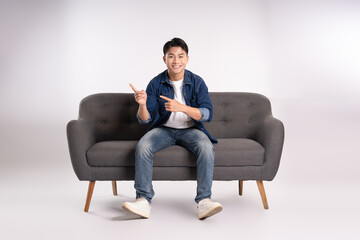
(182, 103)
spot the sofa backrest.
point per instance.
(114, 115)
(237, 114)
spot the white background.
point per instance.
(303, 55)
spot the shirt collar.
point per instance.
(186, 77)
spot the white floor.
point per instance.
(48, 204)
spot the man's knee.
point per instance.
(205, 146)
(143, 147)
(146, 143)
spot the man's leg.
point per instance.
(150, 143)
(197, 142)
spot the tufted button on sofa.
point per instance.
(102, 142)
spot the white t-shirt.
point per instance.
(179, 120)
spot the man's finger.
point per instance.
(166, 98)
(133, 88)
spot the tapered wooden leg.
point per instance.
(89, 195)
(240, 187)
(114, 188)
(262, 193)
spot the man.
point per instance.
(182, 103)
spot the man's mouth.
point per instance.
(176, 66)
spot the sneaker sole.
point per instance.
(210, 212)
(135, 211)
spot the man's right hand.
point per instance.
(140, 96)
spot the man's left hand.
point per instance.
(172, 105)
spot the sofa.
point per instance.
(102, 142)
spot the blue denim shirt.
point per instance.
(195, 94)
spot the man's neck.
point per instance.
(176, 77)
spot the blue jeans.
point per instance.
(159, 138)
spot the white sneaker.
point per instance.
(207, 208)
(139, 207)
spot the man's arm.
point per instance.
(174, 106)
(192, 112)
(140, 98)
(143, 113)
(203, 102)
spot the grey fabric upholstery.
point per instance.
(229, 152)
(102, 140)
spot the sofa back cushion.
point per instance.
(114, 116)
(236, 115)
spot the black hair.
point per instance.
(176, 42)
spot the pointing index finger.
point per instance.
(166, 98)
(133, 88)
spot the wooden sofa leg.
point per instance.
(89, 195)
(262, 193)
(114, 188)
(240, 187)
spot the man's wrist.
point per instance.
(184, 108)
(192, 112)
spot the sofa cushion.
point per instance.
(228, 152)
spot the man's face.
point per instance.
(176, 60)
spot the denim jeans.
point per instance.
(159, 138)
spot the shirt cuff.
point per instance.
(141, 121)
(204, 114)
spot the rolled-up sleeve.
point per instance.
(203, 101)
(205, 113)
(141, 121)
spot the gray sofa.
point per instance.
(102, 141)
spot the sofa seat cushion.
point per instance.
(228, 152)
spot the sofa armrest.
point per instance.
(270, 135)
(81, 135)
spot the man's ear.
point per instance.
(164, 59)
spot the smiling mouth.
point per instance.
(176, 66)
